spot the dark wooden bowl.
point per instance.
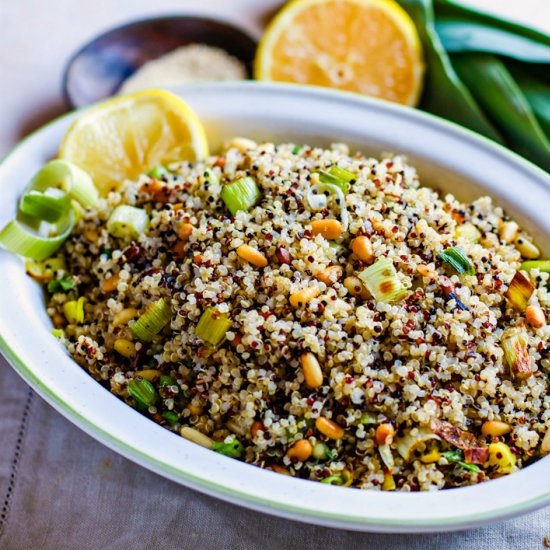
(100, 67)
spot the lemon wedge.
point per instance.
(124, 137)
(365, 46)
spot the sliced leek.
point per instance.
(457, 259)
(127, 221)
(241, 194)
(66, 176)
(74, 310)
(342, 178)
(212, 326)
(48, 206)
(22, 240)
(150, 323)
(382, 281)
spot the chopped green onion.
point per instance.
(233, 448)
(58, 333)
(155, 318)
(468, 232)
(171, 417)
(127, 221)
(158, 172)
(49, 205)
(514, 342)
(296, 149)
(382, 281)
(143, 392)
(458, 260)
(64, 175)
(241, 194)
(541, 265)
(61, 285)
(212, 326)
(19, 239)
(519, 291)
(74, 311)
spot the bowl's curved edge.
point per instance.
(244, 499)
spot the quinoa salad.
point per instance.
(317, 313)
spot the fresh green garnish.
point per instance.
(171, 417)
(453, 456)
(241, 194)
(165, 382)
(471, 467)
(143, 392)
(58, 332)
(61, 285)
(368, 418)
(457, 259)
(233, 448)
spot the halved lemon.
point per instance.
(126, 136)
(365, 46)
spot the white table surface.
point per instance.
(36, 39)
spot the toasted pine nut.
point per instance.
(508, 231)
(241, 144)
(495, 428)
(148, 374)
(124, 315)
(185, 231)
(355, 287)
(251, 255)
(425, 271)
(125, 347)
(255, 428)
(535, 316)
(329, 275)
(196, 437)
(526, 248)
(302, 297)
(312, 370)
(300, 451)
(330, 229)
(362, 248)
(110, 284)
(389, 483)
(329, 428)
(489, 240)
(58, 320)
(384, 432)
(91, 235)
(280, 470)
(545, 445)
(195, 409)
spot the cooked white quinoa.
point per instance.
(397, 365)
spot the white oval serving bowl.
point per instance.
(447, 157)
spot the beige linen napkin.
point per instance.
(60, 489)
